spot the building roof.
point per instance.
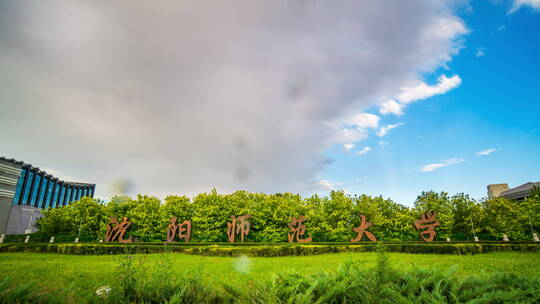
(519, 192)
(44, 173)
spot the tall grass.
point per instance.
(141, 280)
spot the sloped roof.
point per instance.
(44, 173)
(519, 192)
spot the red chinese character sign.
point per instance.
(238, 225)
(116, 231)
(428, 222)
(362, 229)
(297, 230)
(183, 230)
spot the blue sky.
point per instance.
(496, 106)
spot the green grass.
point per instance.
(76, 276)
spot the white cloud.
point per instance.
(391, 106)
(231, 95)
(355, 128)
(534, 4)
(385, 129)
(348, 147)
(444, 163)
(422, 91)
(486, 152)
(480, 52)
(365, 120)
(327, 185)
(363, 151)
(348, 135)
(419, 91)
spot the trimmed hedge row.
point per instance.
(39, 237)
(268, 250)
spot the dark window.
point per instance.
(41, 198)
(18, 190)
(62, 196)
(68, 196)
(35, 190)
(56, 194)
(27, 187)
(50, 189)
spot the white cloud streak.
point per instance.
(364, 120)
(444, 163)
(534, 4)
(486, 152)
(181, 97)
(480, 52)
(348, 147)
(419, 91)
(393, 107)
(327, 185)
(387, 128)
(422, 90)
(365, 150)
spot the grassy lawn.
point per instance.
(84, 274)
(100, 270)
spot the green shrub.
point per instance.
(329, 218)
(270, 250)
(39, 237)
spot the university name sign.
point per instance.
(240, 225)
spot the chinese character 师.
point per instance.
(238, 225)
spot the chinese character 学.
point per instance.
(116, 232)
(361, 230)
(238, 225)
(297, 230)
(428, 222)
(183, 229)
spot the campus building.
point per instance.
(518, 193)
(25, 190)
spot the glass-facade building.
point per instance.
(25, 186)
(36, 188)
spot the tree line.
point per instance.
(329, 218)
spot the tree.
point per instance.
(465, 210)
(56, 221)
(503, 216)
(179, 206)
(331, 218)
(148, 220)
(530, 209)
(89, 216)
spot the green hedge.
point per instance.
(267, 250)
(39, 237)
